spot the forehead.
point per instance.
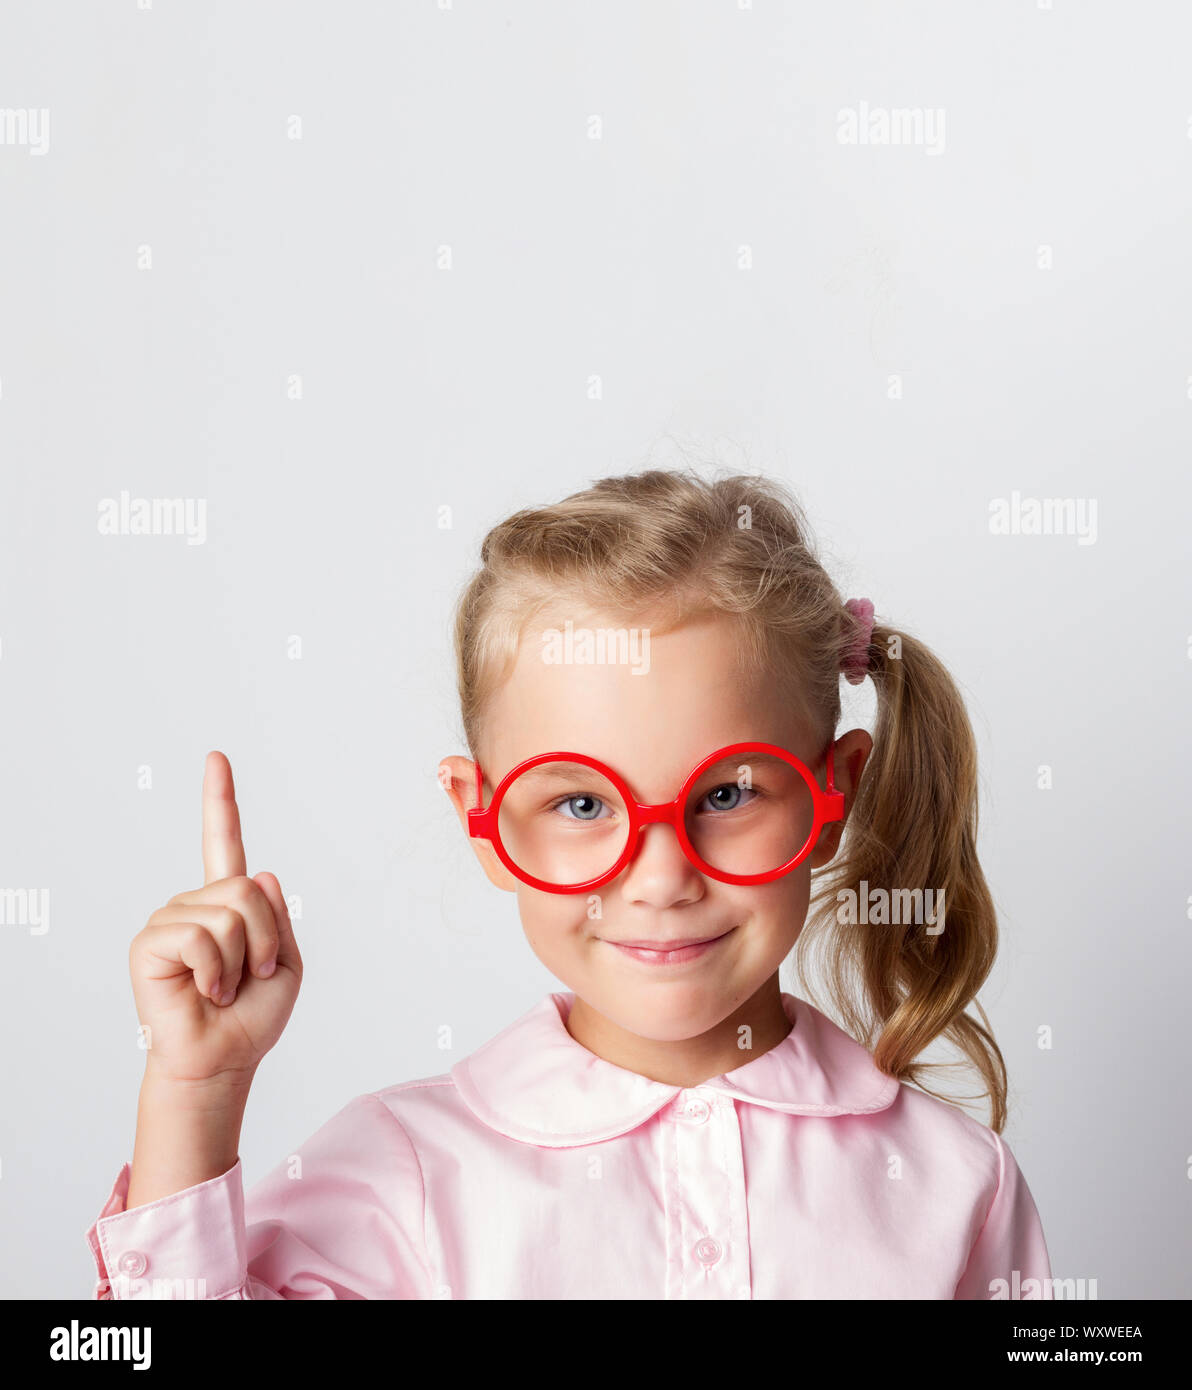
(651, 703)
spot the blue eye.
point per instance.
(726, 798)
(581, 807)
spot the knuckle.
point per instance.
(228, 921)
(243, 891)
(192, 934)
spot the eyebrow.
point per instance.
(563, 772)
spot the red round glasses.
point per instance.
(567, 823)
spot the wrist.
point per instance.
(188, 1131)
(224, 1092)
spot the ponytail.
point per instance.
(901, 985)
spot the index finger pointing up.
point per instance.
(223, 850)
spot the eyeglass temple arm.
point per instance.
(835, 798)
(480, 820)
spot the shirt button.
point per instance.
(132, 1263)
(707, 1251)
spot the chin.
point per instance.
(665, 1011)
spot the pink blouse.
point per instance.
(535, 1169)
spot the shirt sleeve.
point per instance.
(1009, 1258)
(342, 1217)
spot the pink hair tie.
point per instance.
(855, 662)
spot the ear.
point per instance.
(457, 776)
(849, 754)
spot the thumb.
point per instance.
(287, 946)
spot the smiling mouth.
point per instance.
(668, 952)
(676, 945)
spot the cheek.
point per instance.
(555, 922)
(768, 898)
(774, 912)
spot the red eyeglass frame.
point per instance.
(829, 807)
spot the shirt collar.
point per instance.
(533, 1082)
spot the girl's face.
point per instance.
(652, 728)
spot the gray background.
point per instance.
(468, 387)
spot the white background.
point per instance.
(574, 258)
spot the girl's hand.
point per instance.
(215, 972)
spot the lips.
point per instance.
(675, 952)
(675, 944)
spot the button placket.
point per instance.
(709, 1232)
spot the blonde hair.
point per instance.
(672, 542)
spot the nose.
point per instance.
(660, 874)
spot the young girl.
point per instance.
(650, 681)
